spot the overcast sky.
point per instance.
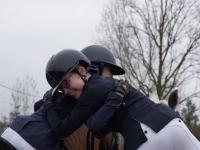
(32, 30)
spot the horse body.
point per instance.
(81, 140)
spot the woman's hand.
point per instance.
(122, 87)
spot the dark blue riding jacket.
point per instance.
(126, 120)
(93, 96)
(36, 130)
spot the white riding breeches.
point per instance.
(16, 140)
(174, 136)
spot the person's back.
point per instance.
(35, 130)
(127, 119)
(139, 109)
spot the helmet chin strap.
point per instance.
(83, 77)
(101, 67)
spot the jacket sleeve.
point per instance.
(102, 117)
(87, 104)
(38, 105)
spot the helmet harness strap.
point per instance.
(83, 77)
(101, 67)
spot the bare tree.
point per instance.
(156, 41)
(3, 124)
(24, 94)
(191, 118)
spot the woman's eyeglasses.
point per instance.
(63, 85)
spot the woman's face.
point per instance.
(72, 85)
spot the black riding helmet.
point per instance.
(98, 55)
(61, 64)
